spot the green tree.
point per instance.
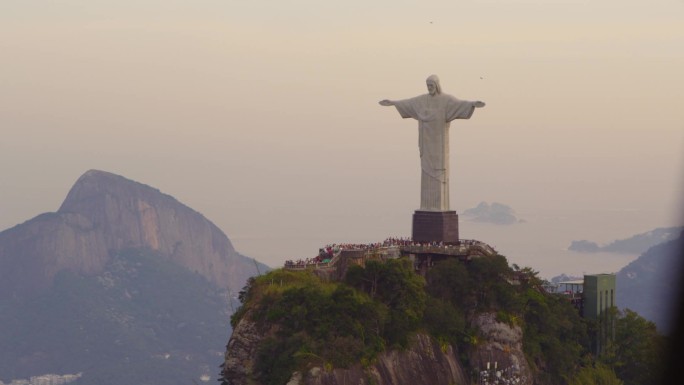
(450, 281)
(637, 351)
(444, 321)
(366, 278)
(399, 288)
(555, 337)
(327, 324)
(491, 275)
(595, 375)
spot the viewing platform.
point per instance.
(424, 255)
(464, 249)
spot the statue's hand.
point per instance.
(386, 102)
(479, 104)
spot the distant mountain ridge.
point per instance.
(650, 285)
(635, 244)
(123, 284)
(103, 213)
(140, 318)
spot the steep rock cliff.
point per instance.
(500, 355)
(123, 284)
(425, 361)
(33, 252)
(103, 213)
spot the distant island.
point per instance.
(636, 244)
(496, 213)
(564, 278)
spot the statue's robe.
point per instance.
(434, 114)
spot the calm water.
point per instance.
(540, 242)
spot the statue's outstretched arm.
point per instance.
(479, 104)
(386, 102)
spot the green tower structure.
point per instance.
(598, 297)
(599, 294)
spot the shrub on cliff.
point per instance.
(322, 323)
(395, 285)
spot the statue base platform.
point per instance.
(435, 226)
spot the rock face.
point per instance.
(424, 362)
(241, 352)
(104, 213)
(33, 252)
(500, 356)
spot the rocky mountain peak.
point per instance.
(104, 213)
(95, 186)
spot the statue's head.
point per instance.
(433, 85)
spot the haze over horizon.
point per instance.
(264, 116)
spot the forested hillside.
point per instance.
(383, 305)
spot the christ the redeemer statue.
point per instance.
(434, 111)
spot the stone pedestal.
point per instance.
(435, 226)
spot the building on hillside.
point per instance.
(594, 296)
(599, 295)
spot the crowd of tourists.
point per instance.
(328, 252)
(389, 242)
(315, 261)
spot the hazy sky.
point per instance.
(263, 115)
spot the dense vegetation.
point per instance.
(381, 305)
(144, 320)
